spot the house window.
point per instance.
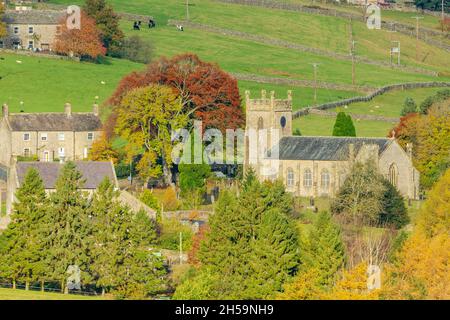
(61, 153)
(393, 175)
(44, 136)
(90, 136)
(26, 137)
(16, 30)
(1, 44)
(26, 152)
(30, 30)
(290, 178)
(325, 179)
(30, 44)
(307, 178)
(61, 136)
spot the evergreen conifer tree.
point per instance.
(344, 126)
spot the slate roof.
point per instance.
(33, 16)
(93, 172)
(324, 148)
(54, 122)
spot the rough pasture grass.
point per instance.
(44, 85)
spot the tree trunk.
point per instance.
(62, 286)
(14, 284)
(27, 285)
(103, 292)
(42, 285)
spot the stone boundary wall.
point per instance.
(39, 55)
(355, 116)
(409, 30)
(400, 86)
(301, 83)
(298, 47)
(135, 17)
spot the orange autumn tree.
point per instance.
(207, 92)
(83, 42)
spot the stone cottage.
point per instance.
(32, 29)
(317, 166)
(47, 137)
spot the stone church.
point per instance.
(317, 166)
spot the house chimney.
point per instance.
(95, 110)
(5, 110)
(68, 109)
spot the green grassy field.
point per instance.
(44, 85)
(314, 125)
(41, 87)
(17, 294)
(391, 103)
(327, 33)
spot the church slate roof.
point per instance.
(77, 122)
(324, 148)
(93, 172)
(30, 17)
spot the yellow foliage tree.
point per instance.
(353, 286)
(422, 267)
(306, 286)
(2, 24)
(435, 217)
(102, 150)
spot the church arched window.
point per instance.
(325, 179)
(393, 175)
(260, 123)
(307, 178)
(290, 179)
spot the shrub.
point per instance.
(150, 200)
(170, 235)
(409, 106)
(134, 49)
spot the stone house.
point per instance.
(317, 166)
(93, 173)
(47, 137)
(31, 29)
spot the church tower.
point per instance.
(270, 114)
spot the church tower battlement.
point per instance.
(268, 103)
(269, 113)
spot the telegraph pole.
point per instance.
(417, 36)
(353, 62)
(187, 10)
(315, 65)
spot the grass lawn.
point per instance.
(44, 85)
(391, 103)
(314, 125)
(18, 294)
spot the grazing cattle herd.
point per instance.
(137, 24)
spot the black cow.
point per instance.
(151, 24)
(136, 26)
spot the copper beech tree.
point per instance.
(208, 93)
(83, 42)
